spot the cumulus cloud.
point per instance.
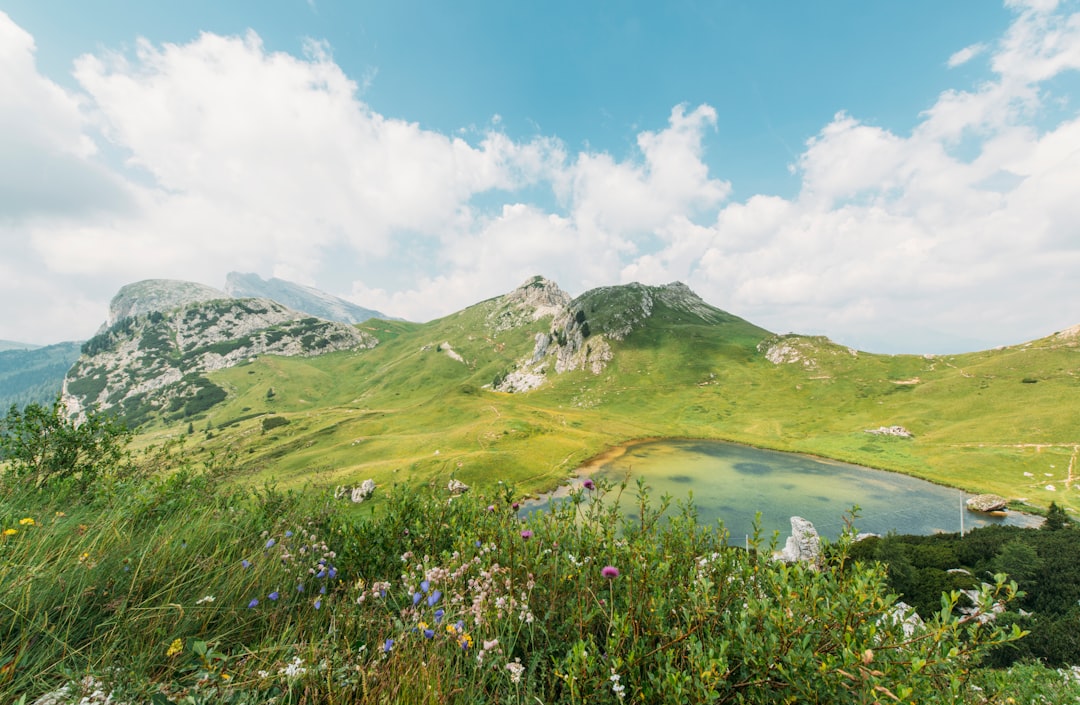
(236, 157)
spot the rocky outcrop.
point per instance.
(153, 361)
(987, 503)
(807, 351)
(157, 295)
(898, 431)
(583, 330)
(803, 545)
(535, 299)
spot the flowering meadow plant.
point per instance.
(413, 598)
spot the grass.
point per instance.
(178, 587)
(407, 411)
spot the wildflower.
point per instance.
(416, 598)
(610, 572)
(491, 507)
(10, 532)
(300, 587)
(466, 641)
(204, 600)
(274, 595)
(425, 586)
(321, 574)
(526, 534)
(270, 543)
(332, 573)
(515, 506)
(245, 563)
(174, 648)
(433, 598)
(516, 669)
(288, 534)
(616, 687)
(429, 633)
(589, 484)
(388, 646)
(439, 615)
(28, 521)
(318, 603)
(60, 515)
(254, 603)
(293, 669)
(322, 590)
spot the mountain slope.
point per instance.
(150, 362)
(425, 404)
(297, 297)
(34, 375)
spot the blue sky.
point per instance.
(897, 176)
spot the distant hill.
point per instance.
(298, 297)
(34, 375)
(12, 345)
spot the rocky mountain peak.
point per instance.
(158, 295)
(298, 297)
(535, 299)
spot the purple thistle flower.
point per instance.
(515, 506)
(433, 598)
(274, 595)
(388, 646)
(610, 572)
(491, 507)
(270, 543)
(526, 534)
(589, 484)
(254, 603)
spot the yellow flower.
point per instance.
(466, 641)
(83, 556)
(174, 648)
(28, 521)
(225, 676)
(422, 625)
(10, 532)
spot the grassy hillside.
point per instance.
(1003, 421)
(34, 375)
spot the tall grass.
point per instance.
(170, 588)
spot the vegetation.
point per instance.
(1042, 563)
(166, 583)
(34, 376)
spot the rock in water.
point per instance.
(987, 503)
(804, 544)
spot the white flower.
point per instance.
(293, 669)
(516, 669)
(204, 600)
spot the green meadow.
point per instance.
(1004, 421)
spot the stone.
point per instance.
(987, 503)
(803, 545)
(456, 486)
(898, 431)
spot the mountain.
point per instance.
(162, 337)
(298, 297)
(11, 345)
(34, 375)
(523, 388)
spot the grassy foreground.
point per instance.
(167, 584)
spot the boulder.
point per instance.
(987, 503)
(804, 544)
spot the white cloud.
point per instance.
(241, 158)
(965, 55)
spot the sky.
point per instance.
(901, 177)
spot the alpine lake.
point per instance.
(733, 483)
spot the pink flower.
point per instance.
(610, 572)
(527, 534)
(589, 485)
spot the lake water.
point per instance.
(731, 482)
